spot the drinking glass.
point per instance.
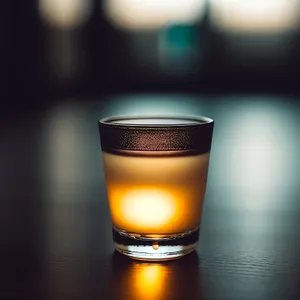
(156, 171)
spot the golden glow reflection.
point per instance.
(177, 279)
(148, 281)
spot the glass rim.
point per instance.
(156, 133)
(186, 121)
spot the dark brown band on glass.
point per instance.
(194, 135)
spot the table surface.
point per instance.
(55, 226)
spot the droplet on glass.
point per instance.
(155, 245)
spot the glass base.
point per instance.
(155, 248)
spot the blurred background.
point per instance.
(64, 48)
(64, 64)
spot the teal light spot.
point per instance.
(181, 36)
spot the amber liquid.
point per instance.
(151, 195)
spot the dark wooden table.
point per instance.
(55, 226)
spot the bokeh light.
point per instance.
(178, 49)
(154, 105)
(64, 132)
(255, 16)
(152, 14)
(255, 158)
(65, 14)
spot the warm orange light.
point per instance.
(147, 281)
(148, 207)
(150, 281)
(156, 195)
